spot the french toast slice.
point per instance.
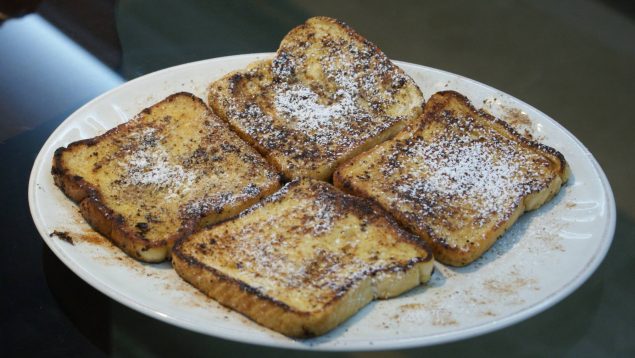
(304, 259)
(459, 180)
(172, 168)
(327, 95)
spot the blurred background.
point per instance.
(574, 60)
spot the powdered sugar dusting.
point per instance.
(464, 172)
(149, 164)
(217, 202)
(301, 104)
(319, 98)
(289, 245)
(210, 203)
(487, 176)
(162, 171)
(323, 220)
(327, 114)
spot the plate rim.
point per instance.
(358, 345)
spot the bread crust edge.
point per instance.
(278, 316)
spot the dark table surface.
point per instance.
(574, 60)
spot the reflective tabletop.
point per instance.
(573, 60)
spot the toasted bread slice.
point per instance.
(459, 181)
(327, 95)
(304, 260)
(157, 177)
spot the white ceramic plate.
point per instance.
(513, 281)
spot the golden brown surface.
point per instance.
(303, 260)
(157, 177)
(459, 181)
(327, 95)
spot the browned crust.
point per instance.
(361, 207)
(266, 310)
(444, 252)
(178, 254)
(388, 133)
(96, 213)
(453, 255)
(262, 308)
(234, 78)
(87, 196)
(249, 301)
(354, 34)
(423, 237)
(349, 30)
(103, 219)
(324, 172)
